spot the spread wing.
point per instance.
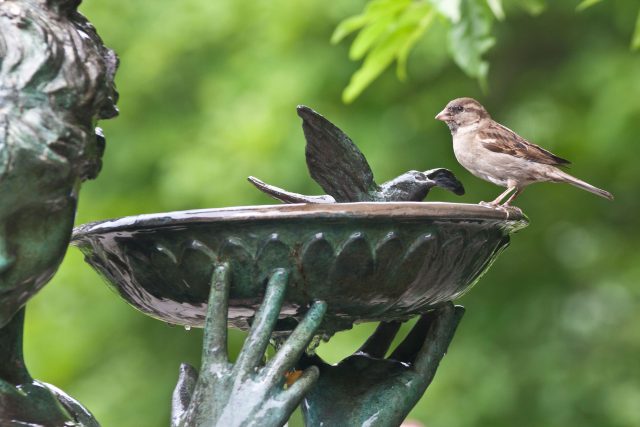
(334, 161)
(500, 139)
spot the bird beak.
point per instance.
(443, 115)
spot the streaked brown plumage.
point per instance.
(497, 154)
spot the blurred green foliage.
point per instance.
(551, 336)
(388, 30)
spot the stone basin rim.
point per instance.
(513, 219)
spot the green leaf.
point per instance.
(374, 11)
(496, 8)
(378, 59)
(380, 16)
(369, 36)
(347, 27)
(635, 41)
(585, 4)
(377, 8)
(448, 8)
(403, 54)
(471, 38)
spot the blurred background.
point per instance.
(208, 94)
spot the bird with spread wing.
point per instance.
(342, 171)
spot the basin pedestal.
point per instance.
(291, 272)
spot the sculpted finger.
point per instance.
(294, 394)
(379, 342)
(265, 319)
(438, 339)
(182, 393)
(408, 349)
(214, 347)
(287, 356)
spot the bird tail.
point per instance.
(560, 176)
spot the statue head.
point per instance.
(56, 81)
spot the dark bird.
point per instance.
(342, 171)
(497, 154)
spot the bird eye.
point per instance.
(456, 109)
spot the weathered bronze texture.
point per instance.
(248, 392)
(367, 261)
(56, 81)
(25, 401)
(364, 389)
(369, 389)
(341, 169)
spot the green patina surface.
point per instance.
(56, 81)
(367, 261)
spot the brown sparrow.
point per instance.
(497, 154)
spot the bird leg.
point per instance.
(497, 201)
(513, 197)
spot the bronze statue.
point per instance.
(56, 81)
(342, 171)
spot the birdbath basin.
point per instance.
(368, 261)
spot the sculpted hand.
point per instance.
(245, 393)
(369, 389)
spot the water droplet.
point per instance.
(187, 327)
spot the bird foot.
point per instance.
(489, 204)
(506, 208)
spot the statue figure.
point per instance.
(56, 81)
